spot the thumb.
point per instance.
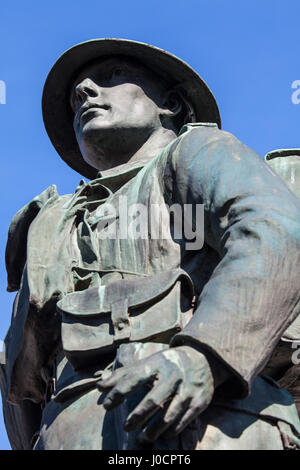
(109, 382)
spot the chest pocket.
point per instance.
(97, 320)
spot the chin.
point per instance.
(95, 125)
(95, 163)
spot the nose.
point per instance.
(86, 88)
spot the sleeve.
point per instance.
(22, 421)
(253, 221)
(15, 254)
(22, 416)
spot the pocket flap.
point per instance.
(138, 292)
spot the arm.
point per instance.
(16, 248)
(22, 421)
(253, 221)
(22, 418)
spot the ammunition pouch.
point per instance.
(98, 320)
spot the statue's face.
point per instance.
(117, 104)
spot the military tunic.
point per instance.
(245, 278)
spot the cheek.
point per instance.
(143, 111)
(130, 99)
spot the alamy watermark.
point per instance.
(2, 352)
(2, 92)
(296, 354)
(151, 222)
(296, 94)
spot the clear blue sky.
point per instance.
(248, 52)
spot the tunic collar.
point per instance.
(113, 179)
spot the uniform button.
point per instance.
(120, 326)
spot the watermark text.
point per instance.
(296, 94)
(2, 92)
(152, 222)
(2, 352)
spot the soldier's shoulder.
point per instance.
(203, 133)
(198, 139)
(39, 201)
(15, 253)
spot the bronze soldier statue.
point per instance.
(284, 364)
(128, 339)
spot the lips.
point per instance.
(92, 108)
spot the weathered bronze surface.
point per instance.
(138, 342)
(283, 366)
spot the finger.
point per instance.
(177, 407)
(195, 408)
(162, 421)
(154, 400)
(124, 387)
(111, 381)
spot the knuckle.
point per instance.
(151, 402)
(170, 417)
(115, 393)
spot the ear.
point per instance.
(171, 104)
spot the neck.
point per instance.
(155, 143)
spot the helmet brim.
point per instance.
(57, 112)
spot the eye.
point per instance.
(74, 101)
(117, 72)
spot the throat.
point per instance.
(154, 145)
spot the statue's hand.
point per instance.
(182, 386)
